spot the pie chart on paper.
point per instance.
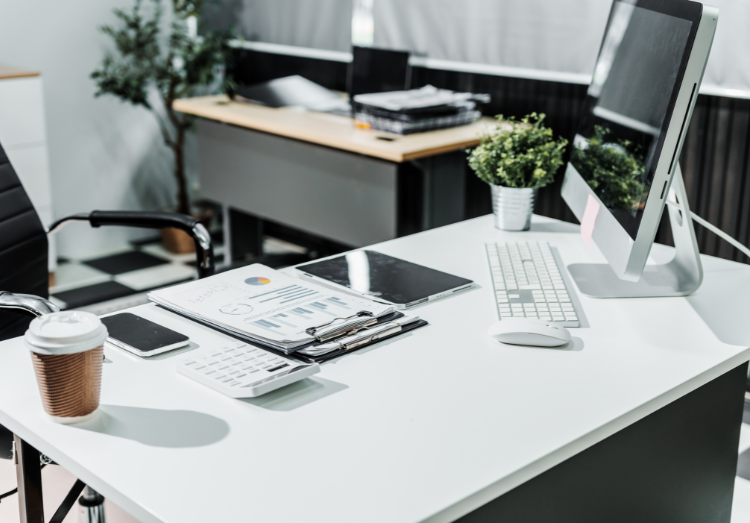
(257, 281)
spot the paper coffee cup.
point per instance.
(66, 350)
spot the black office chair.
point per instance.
(24, 277)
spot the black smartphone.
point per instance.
(141, 336)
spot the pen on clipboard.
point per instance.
(362, 337)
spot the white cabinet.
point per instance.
(23, 135)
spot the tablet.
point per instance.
(385, 278)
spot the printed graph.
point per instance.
(257, 281)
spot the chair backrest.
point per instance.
(23, 248)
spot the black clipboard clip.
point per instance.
(342, 326)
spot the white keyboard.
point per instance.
(528, 283)
(240, 370)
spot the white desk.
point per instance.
(428, 427)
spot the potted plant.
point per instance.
(176, 65)
(517, 159)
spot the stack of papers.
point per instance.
(263, 305)
(427, 97)
(417, 110)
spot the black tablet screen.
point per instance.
(382, 276)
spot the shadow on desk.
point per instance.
(555, 227)
(158, 427)
(726, 287)
(297, 394)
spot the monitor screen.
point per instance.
(378, 71)
(636, 78)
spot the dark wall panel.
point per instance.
(250, 67)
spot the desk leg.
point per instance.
(29, 476)
(243, 235)
(93, 506)
(226, 225)
(444, 189)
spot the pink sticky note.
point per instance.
(589, 220)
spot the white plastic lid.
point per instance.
(66, 332)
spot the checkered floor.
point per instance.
(122, 276)
(121, 272)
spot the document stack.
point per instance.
(416, 110)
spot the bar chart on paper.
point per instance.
(317, 312)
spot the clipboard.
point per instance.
(360, 329)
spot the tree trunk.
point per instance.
(183, 202)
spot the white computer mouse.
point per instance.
(529, 332)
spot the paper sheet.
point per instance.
(264, 304)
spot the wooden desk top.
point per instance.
(13, 72)
(334, 131)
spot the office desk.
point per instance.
(638, 420)
(318, 173)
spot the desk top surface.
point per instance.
(14, 72)
(426, 427)
(334, 131)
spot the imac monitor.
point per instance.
(637, 111)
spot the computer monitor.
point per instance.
(378, 71)
(626, 150)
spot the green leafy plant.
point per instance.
(613, 169)
(522, 155)
(175, 65)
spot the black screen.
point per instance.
(141, 333)
(378, 71)
(382, 276)
(637, 76)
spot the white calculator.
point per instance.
(240, 370)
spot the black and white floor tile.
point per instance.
(121, 277)
(122, 272)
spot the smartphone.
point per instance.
(141, 336)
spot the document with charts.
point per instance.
(263, 304)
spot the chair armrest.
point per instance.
(155, 220)
(27, 302)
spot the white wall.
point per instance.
(548, 35)
(103, 154)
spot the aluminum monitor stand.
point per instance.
(680, 277)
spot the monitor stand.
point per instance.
(680, 277)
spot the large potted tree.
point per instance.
(151, 69)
